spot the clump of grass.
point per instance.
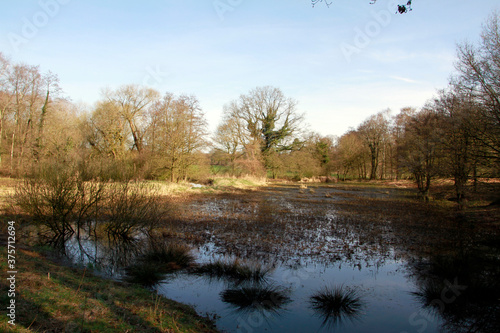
(169, 256)
(234, 270)
(268, 298)
(336, 304)
(145, 274)
(161, 258)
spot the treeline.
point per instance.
(135, 132)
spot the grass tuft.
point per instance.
(169, 255)
(234, 270)
(161, 258)
(336, 304)
(145, 274)
(268, 298)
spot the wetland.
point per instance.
(317, 258)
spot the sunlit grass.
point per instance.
(71, 300)
(244, 182)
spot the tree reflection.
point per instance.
(463, 289)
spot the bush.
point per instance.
(131, 207)
(59, 198)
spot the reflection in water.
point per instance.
(266, 299)
(337, 304)
(308, 231)
(463, 289)
(106, 255)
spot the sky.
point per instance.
(341, 63)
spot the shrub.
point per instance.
(59, 199)
(131, 207)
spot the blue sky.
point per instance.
(341, 63)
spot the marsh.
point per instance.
(405, 265)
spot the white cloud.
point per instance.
(404, 79)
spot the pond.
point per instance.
(337, 259)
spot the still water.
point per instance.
(317, 239)
(386, 292)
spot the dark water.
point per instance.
(300, 233)
(386, 292)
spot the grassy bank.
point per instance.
(53, 298)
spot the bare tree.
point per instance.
(271, 120)
(106, 131)
(420, 148)
(6, 99)
(230, 138)
(50, 86)
(132, 102)
(177, 133)
(398, 130)
(479, 77)
(457, 113)
(351, 155)
(25, 87)
(374, 131)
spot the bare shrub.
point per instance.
(59, 199)
(131, 207)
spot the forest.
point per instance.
(136, 132)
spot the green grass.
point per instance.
(54, 298)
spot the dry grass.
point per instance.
(245, 182)
(7, 190)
